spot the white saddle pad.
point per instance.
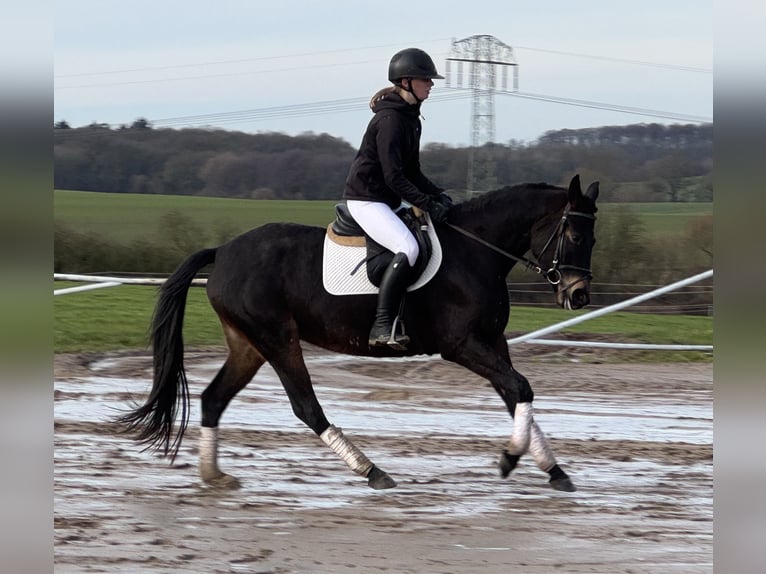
(339, 261)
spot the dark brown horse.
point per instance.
(266, 287)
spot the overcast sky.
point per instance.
(296, 66)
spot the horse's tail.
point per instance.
(155, 419)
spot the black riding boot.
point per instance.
(392, 287)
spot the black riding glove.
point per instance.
(438, 211)
(444, 199)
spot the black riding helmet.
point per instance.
(412, 63)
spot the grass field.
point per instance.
(123, 217)
(663, 218)
(117, 318)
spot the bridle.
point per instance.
(552, 275)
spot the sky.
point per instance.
(311, 66)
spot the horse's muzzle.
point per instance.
(574, 294)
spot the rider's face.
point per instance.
(421, 87)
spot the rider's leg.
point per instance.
(392, 287)
(385, 227)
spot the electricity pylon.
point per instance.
(484, 56)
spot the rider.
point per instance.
(385, 171)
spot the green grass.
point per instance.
(118, 318)
(643, 327)
(661, 218)
(124, 217)
(623, 327)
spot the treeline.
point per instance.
(642, 162)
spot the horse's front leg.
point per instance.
(494, 363)
(527, 432)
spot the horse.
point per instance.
(266, 288)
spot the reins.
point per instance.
(527, 263)
(552, 275)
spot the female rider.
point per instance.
(385, 171)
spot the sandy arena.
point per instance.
(636, 439)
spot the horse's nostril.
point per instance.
(580, 298)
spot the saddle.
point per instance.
(347, 249)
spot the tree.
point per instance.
(141, 124)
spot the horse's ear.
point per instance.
(592, 191)
(575, 191)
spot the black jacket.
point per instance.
(387, 166)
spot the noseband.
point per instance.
(552, 275)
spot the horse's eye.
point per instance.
(575, 238)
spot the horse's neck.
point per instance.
(505, 218)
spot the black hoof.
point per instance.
(379, 480)
(507, 463)
(562, 484)
(560, 480)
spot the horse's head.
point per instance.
(564, 247)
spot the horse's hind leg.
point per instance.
(289, 365)
(238, 370)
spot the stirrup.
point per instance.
(393, 340)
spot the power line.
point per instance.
(210, 76)
(243, 60)
(361, 103)
(342, 50)
(357, 104)
(620, 60)
(314, 66)
(610, 107)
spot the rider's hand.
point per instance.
(444, 199)
(438, 211)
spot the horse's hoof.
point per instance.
(224, 482)
(507, 463)
(379, 480)
(562, 484)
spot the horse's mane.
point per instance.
(511, 197)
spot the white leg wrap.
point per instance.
(344, 448)
(539, 449)
(522, 423)
(208, 452)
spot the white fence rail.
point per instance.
(98, 281)
(533, 337)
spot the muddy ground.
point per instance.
(636, 439)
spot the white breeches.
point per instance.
(383, 226)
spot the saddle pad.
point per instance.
(338, 261)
